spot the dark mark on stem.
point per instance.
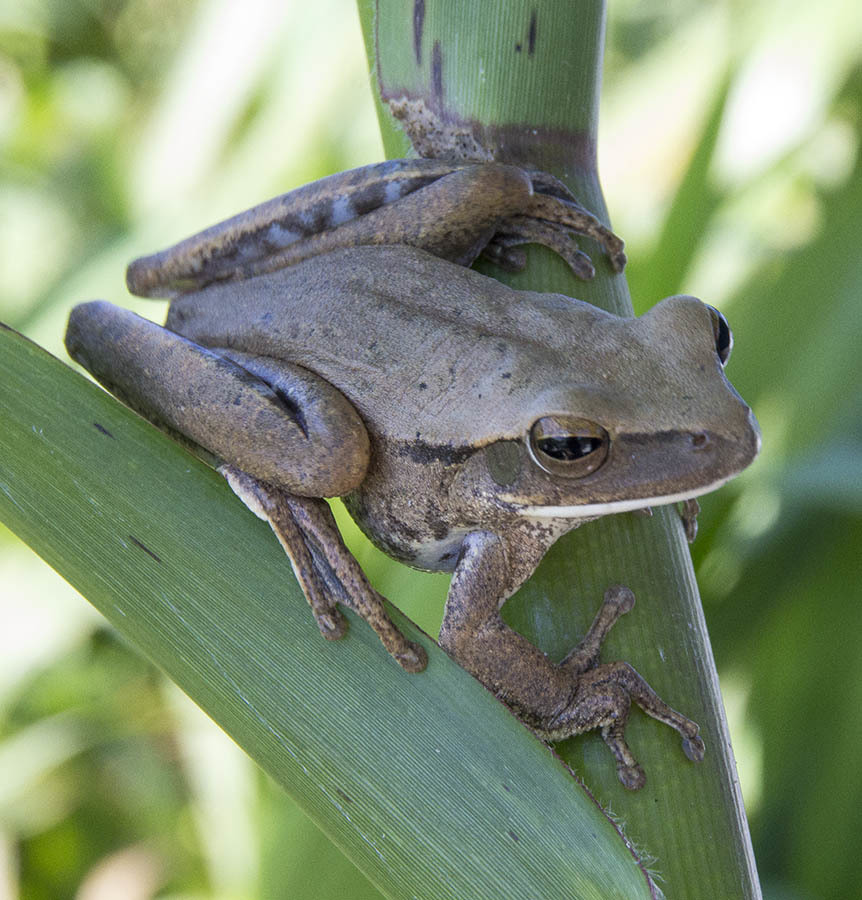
(514, 836)
(418, 25)
(515, 142)
(531, 39)
(345, 797)
(103, 430)
(437, 72)
(145, 548)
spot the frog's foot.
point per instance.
(602, 700)
(552, 221)
(551, 217)
(346, 580)
(506, 247)
(603, 696)
(325, 569)
(271, 505)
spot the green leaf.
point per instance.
(424, 781)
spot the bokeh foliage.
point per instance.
(730, 160)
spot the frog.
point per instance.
(335, 342)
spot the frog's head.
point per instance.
(646, 417)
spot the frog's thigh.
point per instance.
(292, 429)
(454, 217)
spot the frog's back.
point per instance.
(415, 342)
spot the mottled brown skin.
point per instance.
(330, 343)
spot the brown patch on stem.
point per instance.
(432, 138)
(434, 135)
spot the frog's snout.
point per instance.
(757, 437)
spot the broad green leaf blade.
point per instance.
(425, 782)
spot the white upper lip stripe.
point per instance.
(618, 506)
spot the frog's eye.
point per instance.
(568, 446)
(723, 335)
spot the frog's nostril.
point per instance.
(700, 440)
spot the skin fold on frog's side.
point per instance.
(332, 342)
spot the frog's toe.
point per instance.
(551, 219)
(620, 597)
(694, 748)
(413, 659)
(616, 254)
(580, 263)
(631, 777)
(508, 257)
(333, 626)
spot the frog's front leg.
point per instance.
(282, 436)
(453, 210)
(555, 700)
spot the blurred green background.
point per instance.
(729, 153)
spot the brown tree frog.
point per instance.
(332, 342)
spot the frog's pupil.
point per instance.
(569, 447)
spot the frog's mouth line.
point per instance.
(619, 506)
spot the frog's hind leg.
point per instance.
(279, 423)
(324, 567)
(454, 210)
(283, 436)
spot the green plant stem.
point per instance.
(522, 78)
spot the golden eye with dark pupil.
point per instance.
(567, 445)
(722, 334)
